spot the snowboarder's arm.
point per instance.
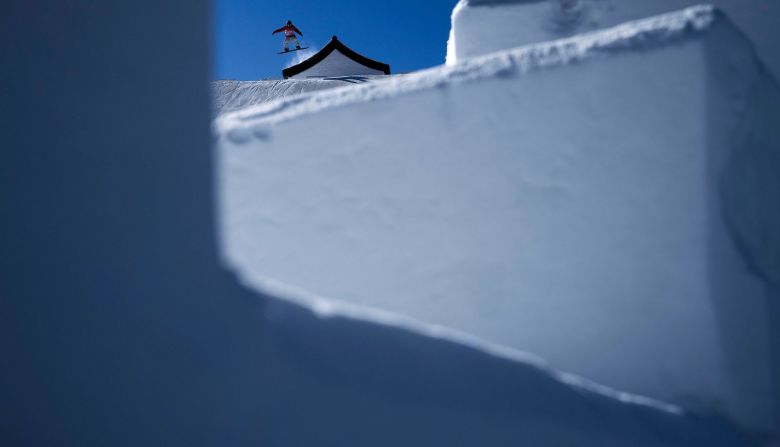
(279, 31)
(297, 30)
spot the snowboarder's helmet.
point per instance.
(289, 22)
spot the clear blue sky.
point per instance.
(407, 34)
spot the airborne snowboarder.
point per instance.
(289, 35)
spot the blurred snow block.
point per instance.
(483, 26)
(608, 202)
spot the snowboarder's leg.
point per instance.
(297, 44)
(286, 46)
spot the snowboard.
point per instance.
(290, 51)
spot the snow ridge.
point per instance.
(655, 31)
(328, 308)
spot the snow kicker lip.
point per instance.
(333, 45)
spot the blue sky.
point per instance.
(407, 34)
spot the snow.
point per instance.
(752, 172)
(230, 95)
(299, 56)
(119, 325)
(481, 27)
(399, 387)
(536, 198)
(337, 64)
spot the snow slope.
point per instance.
(563, 199)
(483, 26)
(230, 95)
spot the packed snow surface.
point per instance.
(540, 199)
(230, 95)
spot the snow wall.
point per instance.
(483, 26)
(608, 202)
(118, 327)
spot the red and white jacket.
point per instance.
(289, 30)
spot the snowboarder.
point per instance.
(289, 35)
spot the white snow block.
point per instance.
(483, 26)
(608, 202)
